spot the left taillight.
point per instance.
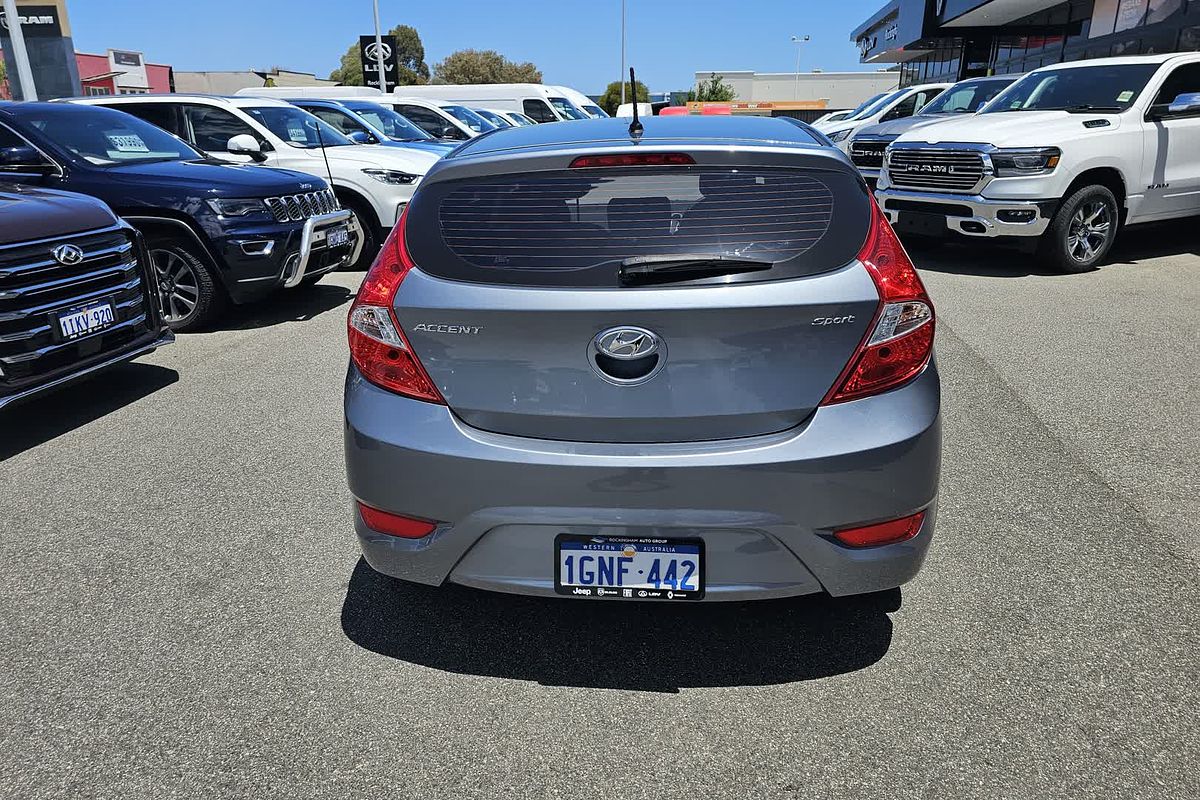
(900, 341)
(378, 346)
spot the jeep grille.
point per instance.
(299, 207)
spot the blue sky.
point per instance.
(576, 42)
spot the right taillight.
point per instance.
(900, 340)
(378, 346)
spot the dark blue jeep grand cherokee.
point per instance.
(216, 232)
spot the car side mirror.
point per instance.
(245, 145)
(1187, 103)
(24, 158)
(362, 137)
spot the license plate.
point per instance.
(629, 568)
(337, 237)
(85, 319)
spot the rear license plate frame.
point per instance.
(642, 547)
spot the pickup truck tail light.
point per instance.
(899, 341)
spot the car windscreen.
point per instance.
(297, 127)
(966, 98)
(870, 108)
(396, 127)
(596, 112)
(1108, 87)
(495, 119)
(104, 137)
(577, 227)
(469, 118)
(564, 107)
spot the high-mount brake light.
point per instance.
(634, 160)
(900, 340)
(378, 346)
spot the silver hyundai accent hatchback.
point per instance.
(690, 364)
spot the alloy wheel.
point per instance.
(178, 285)
(1091, 227)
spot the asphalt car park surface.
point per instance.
(184, 612)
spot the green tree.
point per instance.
(484, 66)
(612, 96)
(410, 54)
(713, 90)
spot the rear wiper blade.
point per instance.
(666, 268)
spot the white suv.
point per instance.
(374, 183)
(897, 105)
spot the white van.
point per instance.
(540, 103)
(581, 101)
(315, 92)
(643, 109)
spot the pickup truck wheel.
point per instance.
(365, 219)
(1082, 231)
(190, 296)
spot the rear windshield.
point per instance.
(575, 227)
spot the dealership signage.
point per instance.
(36, 21)
(130, 69)
(370, 50)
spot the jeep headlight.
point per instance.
(1014, 161)
(840, 135)
(237, 207)
(392, 176)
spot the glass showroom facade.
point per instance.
(948, 40)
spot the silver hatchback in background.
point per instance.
(694, 364)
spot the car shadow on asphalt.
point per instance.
(292, 305)
(45, 417)
(995, 260)
(616, 644)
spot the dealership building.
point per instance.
(948, 40)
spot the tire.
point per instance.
(190, 294)
(1082, 232)
(372, 240)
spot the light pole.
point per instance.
(379, 51)
(623, 54)
(20, 54)
(798, 41)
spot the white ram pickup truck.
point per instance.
(1064, 157)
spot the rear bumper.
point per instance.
(765, 506)
(969, 215)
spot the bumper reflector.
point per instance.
(891, 532)
(394, 524)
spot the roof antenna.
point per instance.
(635, 127)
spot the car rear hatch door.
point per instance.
(638, 302)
